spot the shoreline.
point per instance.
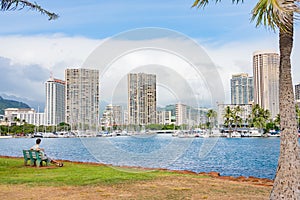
(251, 179)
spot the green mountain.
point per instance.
(5, 103)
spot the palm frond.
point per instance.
(21, 4)
(276, 13)
(203, 3)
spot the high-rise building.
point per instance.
(181, 114)
(55, 101)
(141, 98)
(266, 81)
(163, 117)
(112, 116)
(82, 98)
(125, 117)
(241, 89)
(297, 94)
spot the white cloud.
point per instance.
(53, 52)
(236, 57)
(33, 57)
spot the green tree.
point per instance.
(260, 117)
(16, 120)
(211, 116)
(298, 116)
(6, 5)
(277, 121)
(280, 14)
(236, 117)
(228, 119)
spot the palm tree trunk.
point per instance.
(287, 180)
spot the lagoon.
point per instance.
(229, 156)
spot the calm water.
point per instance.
(235, 156)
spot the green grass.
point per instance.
(13, 171)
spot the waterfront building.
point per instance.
(266, 80)
(195, 116)
(241, 89)
(125, 117)
(164, 117)
(112, 116)
(55, 101)
(141, 98)
(181, 114)
(246, 110)
(19, 116)
(297, 94)
(82, 98)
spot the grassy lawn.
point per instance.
(92, 181)
(13, 171)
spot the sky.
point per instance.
(32, 46)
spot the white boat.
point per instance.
(49, 135)
(216, 133)
(255, 133)
(204, 135)
(5, 136)
(38, 135)
(234, 134)
(201, 133)
(273, 133)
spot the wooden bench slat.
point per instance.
(35, 157)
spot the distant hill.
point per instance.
(5, 103)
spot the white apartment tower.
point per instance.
(112, 115)
(141, 98)
(163, 117)
(297, 92)
(181, 114)
(55, 101)
(241, 89)
(266, 80)
(82, 98)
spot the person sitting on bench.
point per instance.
(36, 147)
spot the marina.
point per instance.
(255, 156)
(202, 133)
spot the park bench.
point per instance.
(35, 157)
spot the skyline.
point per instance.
(30, 52)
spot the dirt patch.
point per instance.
(170, 187)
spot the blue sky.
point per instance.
(100, 19)
(31, 43)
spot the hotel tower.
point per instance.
(55, 101)
(241, 89)
(266, 80)
(82, 98)
(141, 99)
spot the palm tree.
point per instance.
(211, 115)
(7, 124)
(236, 115)
(16, 120)
(260, 117)
(277, 120)
(280, 14)
(298, 116)
(228, 119)
(20, 4)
